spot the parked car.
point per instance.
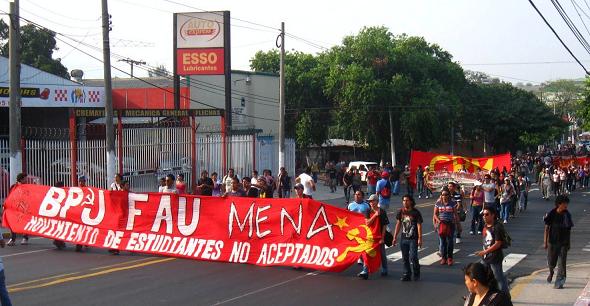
(363, 167)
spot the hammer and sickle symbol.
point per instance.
(364, 245)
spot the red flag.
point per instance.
(454, 163)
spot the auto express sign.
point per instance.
(200, 42)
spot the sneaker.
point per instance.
(79, 247)
(450, 261)
(505, 221)
(550, 276)
(457, 240)
(10, 242)
(114, 251)
(479, 232)
(362, 275)
(60, 245)
(405, 278)
(443, 261)
(471, 233)
(25, 241)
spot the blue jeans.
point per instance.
(383, 261)
(476, 218)
(446, 244)
(4, 299)
(522, 200)
(371, 189)
(395, 187)
(420, 187)
(409, 249)
(286, 193)
(505, 210)
(499, 276)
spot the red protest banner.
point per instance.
(265, 232)
(454, 163)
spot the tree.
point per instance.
(37, 46)
(563, 95)
(584, 107)
(159, 71)
(304, 81)
(375, 72)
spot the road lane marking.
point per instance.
(88, 275)
(431, 232)
(432, 258)
(511, 260)
(267, 288)
(122, 263)
(27, 252)
(74, 273)
(395, 256)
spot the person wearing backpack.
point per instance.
(384, 190)
(495, 239)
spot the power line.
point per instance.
(571, 25)
(559, 38)
(521, 63)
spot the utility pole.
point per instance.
(108, 92)
(282, 98)
(14, 121)
(131, 63)
(392, 140)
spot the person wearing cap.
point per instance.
(298, 190)
(377, 213)
(384, 190)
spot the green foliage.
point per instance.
(37, 46)
(349, 91)
(583, 112)
(304, 78)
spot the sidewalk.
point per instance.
(534, 289)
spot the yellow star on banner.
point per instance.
(341, 223)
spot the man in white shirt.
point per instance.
(170, 184)
(306, 180)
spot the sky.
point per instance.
(503, 38)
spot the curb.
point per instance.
(523, 281)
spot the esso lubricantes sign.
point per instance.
(200, 61)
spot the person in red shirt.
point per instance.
(180, 184)
(372, 178)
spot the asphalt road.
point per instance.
(37, 274)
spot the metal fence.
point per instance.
(148, 153)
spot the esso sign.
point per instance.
(200, 61)
(199, 58)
